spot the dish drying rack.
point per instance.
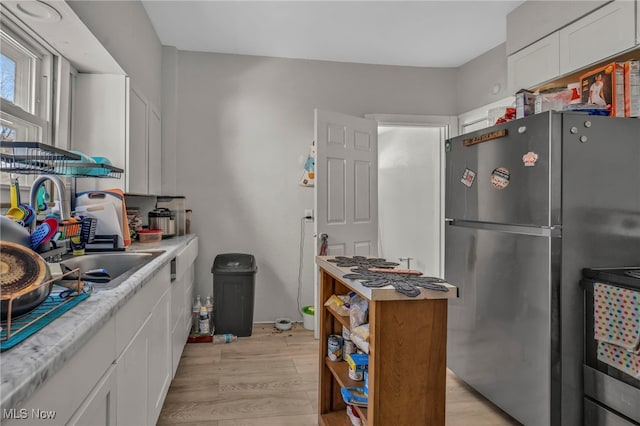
(39, 158)
(7, 325)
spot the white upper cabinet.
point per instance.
(100, 115)
(113, 120)
(603, 33)
(155, 151)
(607, 31)
(533, 20)
(534, 64)
(137, 178)
(145, 146)
(637, 24)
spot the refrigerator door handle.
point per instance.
(541, 231)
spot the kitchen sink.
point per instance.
(119, 266)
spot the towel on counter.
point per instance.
(619, 358)
(617, 316)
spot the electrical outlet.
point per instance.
(308, 213)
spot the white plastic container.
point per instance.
(308, 316)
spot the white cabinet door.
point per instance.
(145, 149)
(534, 64)
(155, 151)
(637, 23)
(189, 299)
(99, 408)
(177, 323)
(159, 361)
(132, 379)
(100, 123)
(137, 177)
(599, 35)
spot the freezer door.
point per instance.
(500, 339)
(507, 179)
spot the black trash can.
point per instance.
(233, 291)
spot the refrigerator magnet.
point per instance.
(529, 159)
(468, 177)
(500, 178)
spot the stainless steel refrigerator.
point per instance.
(529, 203)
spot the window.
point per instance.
(26, 73)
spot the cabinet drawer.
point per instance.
(186, 257)
(535, 64)
(599, 35)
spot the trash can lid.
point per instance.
(234, 263)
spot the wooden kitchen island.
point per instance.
(407, 354)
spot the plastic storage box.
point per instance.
(150, 235)
(233, 291)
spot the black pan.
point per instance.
(22, 271)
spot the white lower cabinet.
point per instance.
(159, 362)
(122, 374)
(178, 337)
(100, 406)
(181, 299)
(133, 376)
(144, 353)
(72, 387)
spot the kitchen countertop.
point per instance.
(27, 365)
(382, 293)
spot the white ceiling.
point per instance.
(413, 33)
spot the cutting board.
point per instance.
(108, 220)
(111, 196)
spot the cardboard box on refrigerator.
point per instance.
(604, 87)
(632, 88)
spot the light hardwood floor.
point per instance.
(271, 378)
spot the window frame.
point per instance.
(39, 60)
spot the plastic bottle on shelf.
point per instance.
(203, 323)
(196, 315)
(224, 338)
(209, 305)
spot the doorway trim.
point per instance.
(448, 126)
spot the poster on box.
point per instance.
(599, 87)
(596, 88)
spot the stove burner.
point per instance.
(406, 284)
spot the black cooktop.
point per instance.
(626, 276)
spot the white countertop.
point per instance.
(382, 293)
(27, 365)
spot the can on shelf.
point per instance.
(348, 347)
(334, 347)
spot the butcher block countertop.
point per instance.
(382, 293)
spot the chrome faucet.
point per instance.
(65, 201)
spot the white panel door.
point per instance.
(346, 185)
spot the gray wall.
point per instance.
(482, 80)
(244, 127)
(125, 30)
(236, 132)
